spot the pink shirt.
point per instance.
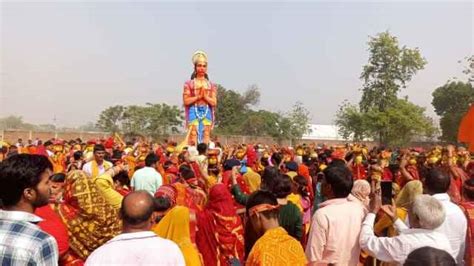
(334, 234)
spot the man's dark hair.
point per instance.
(48, 143)
(58, 177)
(306, 159)
(263, 197)
(122, 178)
(436, 181)
(276, 158)
(340, 179)
(202, 148)
(468, 189)
(337, 163)
(151, 159)
(282, 187)
(269, 177)
(429, 256)
(230, 163)
(77, 155)
(186, 172)
(139, 217)
(99, 147)
(19, 172)
(162, 204)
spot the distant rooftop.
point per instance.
(323, 132)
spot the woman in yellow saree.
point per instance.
(176, 226)
(89, 219)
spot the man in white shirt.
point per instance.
(137, 245)
(97, 166)
(436, 183)
(425, 215)
(147, 178)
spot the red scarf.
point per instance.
(220, 236)
(468, 208)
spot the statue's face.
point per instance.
(201, 68)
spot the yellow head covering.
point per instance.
(175, 227)
(408, 193)
(199, 56)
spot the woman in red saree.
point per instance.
(220, 236)
(468, 207)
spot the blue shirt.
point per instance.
(147, 179)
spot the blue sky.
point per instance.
(73, 59)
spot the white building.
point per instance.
(323, 132)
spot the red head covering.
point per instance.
(221, 201)
(109, 143)
(220, 235)
(169, 192)
(251, 156)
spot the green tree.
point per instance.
(300, 119)
(232, 108)
(260, 123)
(389, 68)
(11, 122)
(135, 120)
(451, 101)
(469, 68)
(163, 119)
(110, 119)
(351, 122)
(401, 123)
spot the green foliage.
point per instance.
(351, 122)
(234, 116)
(154, 120)
(389, 68)
(451, 101)
(16, 122)
(381, 115)
(12, 122)
(469, 68)
(110, 118)
(299, 120)
(398, 125)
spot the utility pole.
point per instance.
(55, 127)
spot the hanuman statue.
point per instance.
(200, 100)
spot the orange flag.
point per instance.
(466, 129)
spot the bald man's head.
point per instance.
(137, 208)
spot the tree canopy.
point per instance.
(451, 101)
(235, 114)
(381, 115)
(153, 120)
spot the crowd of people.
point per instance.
(110, 202)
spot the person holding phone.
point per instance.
(426, 214)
